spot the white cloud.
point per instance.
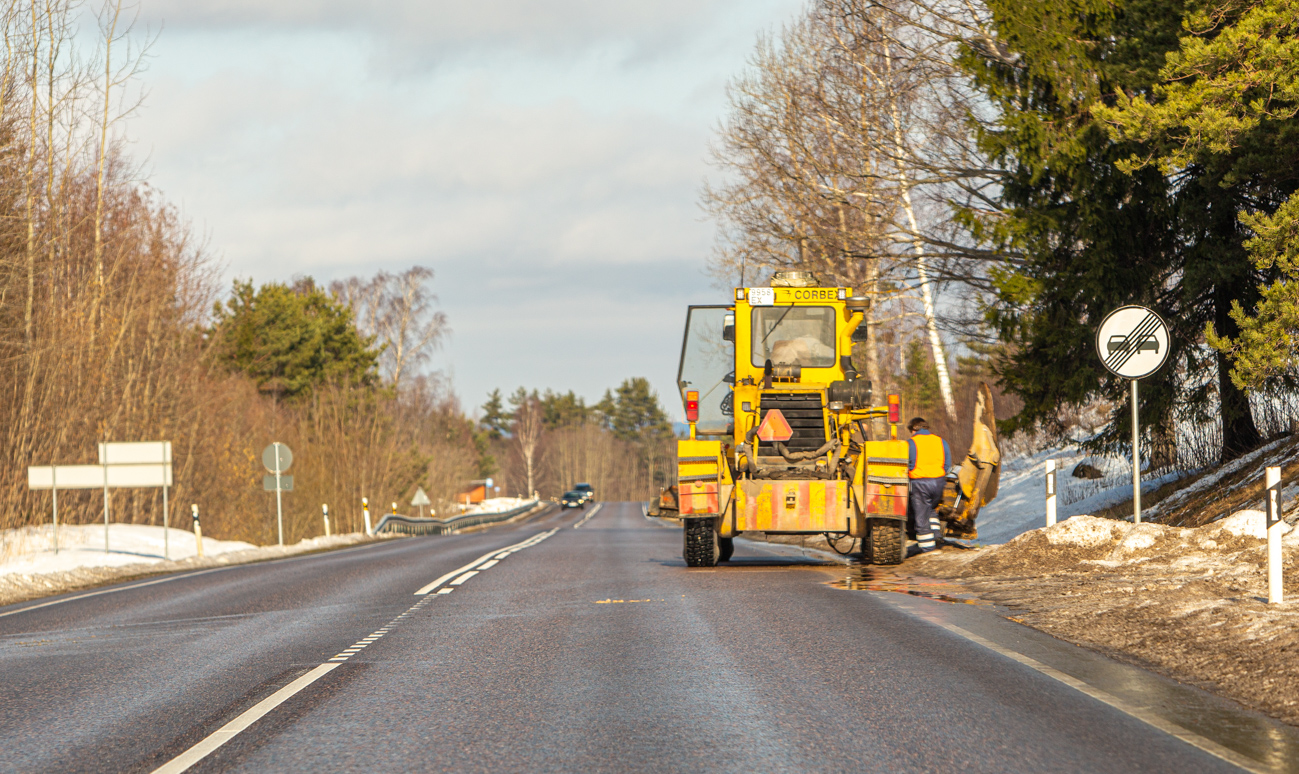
(550, 183)
(442, 29)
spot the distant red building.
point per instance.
(476, 493)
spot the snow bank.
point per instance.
(29, 567)
(499, 504)
(1233, 545)
(30, 550)
(1021, 498)
(1214, 478)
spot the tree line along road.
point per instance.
(593, 648)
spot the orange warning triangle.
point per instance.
(775, 427)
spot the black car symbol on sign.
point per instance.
(1148, 343)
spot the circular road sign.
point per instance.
(1132, 342)
(277, 457)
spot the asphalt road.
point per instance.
(593, 649)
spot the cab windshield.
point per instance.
(794, 335)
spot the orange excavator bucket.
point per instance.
(975, 485)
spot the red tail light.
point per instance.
(692, 405)
(895, 410)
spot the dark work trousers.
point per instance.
(926, 496)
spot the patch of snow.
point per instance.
(1139, 537)
(499, 504)
(30, 550)
(1247, 523)
(1084, 531)
(1214, 478)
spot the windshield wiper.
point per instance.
(777, 325)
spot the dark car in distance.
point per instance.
(573, 499)
(587, 491)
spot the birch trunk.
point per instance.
(922, 268)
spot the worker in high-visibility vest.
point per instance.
(928, 459)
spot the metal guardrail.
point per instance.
(406, 525)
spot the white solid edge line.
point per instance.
(122, 588)
(517, 546)
(1145, 716)
(225, 733)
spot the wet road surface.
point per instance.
(583, 649)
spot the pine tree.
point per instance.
(563, 409)
(289, 339)
(637, 415)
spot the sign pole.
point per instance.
(279, 505)
(166, 508)
(166, 549)
(1275, 589)
(105, 502)
(54, 487)
(1136, 459)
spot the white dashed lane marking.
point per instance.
(498, 554)
(588, 516)
(463, 578)
(227, 732)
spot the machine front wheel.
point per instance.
(701, 543)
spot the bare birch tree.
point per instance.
(849, 149)
(526, 431)
(399, 309)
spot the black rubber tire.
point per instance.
(701, 549)
(725, 548)
(885, 542)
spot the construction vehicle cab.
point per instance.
(781, 437)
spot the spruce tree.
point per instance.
(1228, 100)
(1087, 233)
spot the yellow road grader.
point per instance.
(782, 429)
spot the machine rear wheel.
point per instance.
(701, 545)
(725, 547)
(885, 542)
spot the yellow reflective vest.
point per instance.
(929, 456)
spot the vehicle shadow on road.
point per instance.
(750, 562)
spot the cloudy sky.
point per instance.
(542, 157)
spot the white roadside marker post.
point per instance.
(1050, 493)
(365, 509)
(324, 508)
(1275, 592)
(198, 530)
